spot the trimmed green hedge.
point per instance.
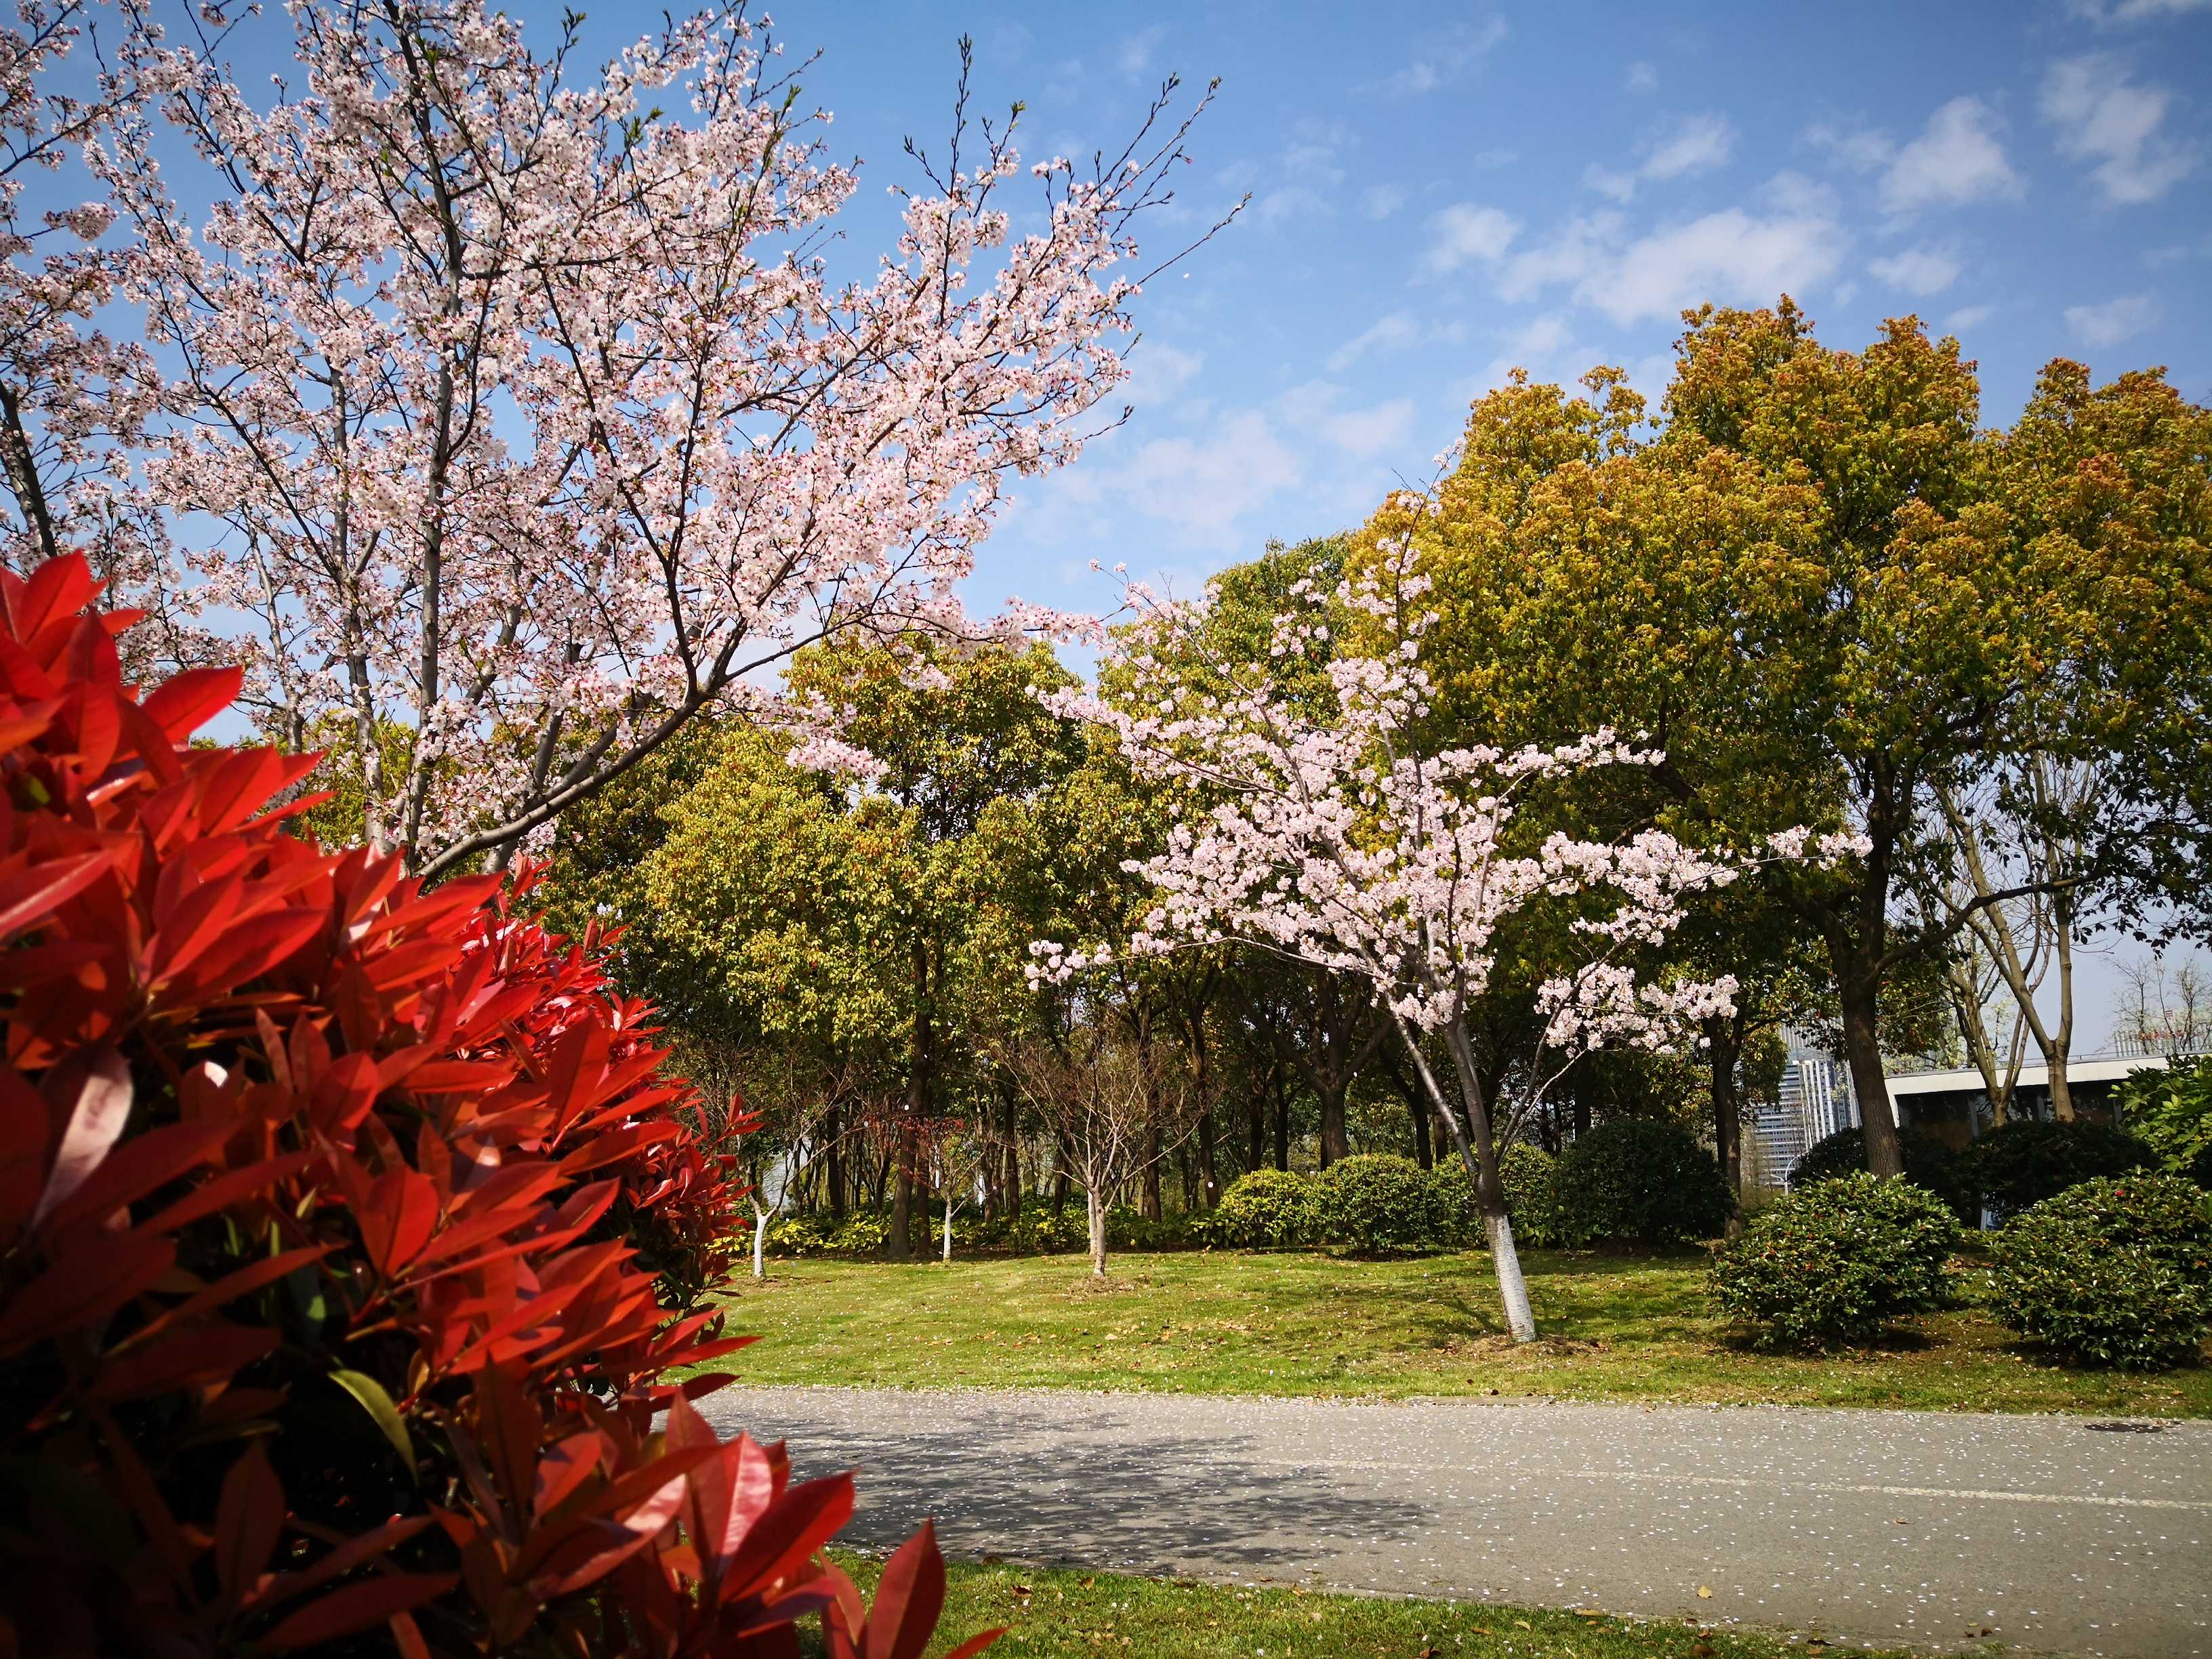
(2022, 1163)
(2116, 1272)
(1267, 1207)
(1374, 1202)
(1638, 1182)
(1527, 1174)
(1837, 1260)
(1929, 1163)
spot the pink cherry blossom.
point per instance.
(1338, 837)
(513, 414)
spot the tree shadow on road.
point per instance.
(1160, 1505)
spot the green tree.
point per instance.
(1817, 588)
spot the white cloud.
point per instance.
(1158, 371)
(1399, 331)
(1381, 201)
(1465, 232)
(1368, 432)
(1733, 256)
(2115, 320)
(1967, 317)
(1699, 144)
(2103, 12)
(1642, 77)
(1863, 149)
(1442, 58)
(2102, 116)
(1544, 347)
(1291, 202)
(1619, 186)
(1572, 256)
(1727, 256)
(1394, 333)
(1201, 487)
(1136, 49)
(1921, 270)
(1956, 159)
(1359, 434)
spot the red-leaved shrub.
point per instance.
(348, 1232)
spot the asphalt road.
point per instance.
(1896, 1528)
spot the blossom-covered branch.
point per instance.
(517, 414)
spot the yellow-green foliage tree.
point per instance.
(1821, 588)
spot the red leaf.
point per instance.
(356, 1552)
(249, 1518)
(356, 1608)
(975, 1644)
(100, 1106)
(31, 895)
(243, 1281)
(909, 1598)
(200, 1355)
(560, 1470)
(797, 1525)
(183, 704)
(84, 1286)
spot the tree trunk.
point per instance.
(948, 1226)
(1154, 1156)
(1480, 1158)
(1257, 1128)
(1095, 1202)
(1282, 1122)
(832, 1132)
(2057, 1052)
(1209, 1174)
(1857, 992)
(900, 1245)
(1335, 1142)
(1724, 1040)
(760, 1243)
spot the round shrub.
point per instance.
(1267, 1206)
(1527, 1174)
(2117, 1272)
(1836, 1260)
(1638, 1182)
(1928, 1164)
(1378, 1202)
(2019, 1163)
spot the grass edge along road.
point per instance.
(1061, 1613)
(1616, 1327)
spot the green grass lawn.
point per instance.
(1059, 1615)
(1614, 1327)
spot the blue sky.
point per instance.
(1442, 193)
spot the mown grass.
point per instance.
(1059, 1614)
(1615, 1327)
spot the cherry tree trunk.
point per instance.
(1096, 1203)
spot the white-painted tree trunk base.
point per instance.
(948, 1232)
(760, 1243)
(1505, 1261)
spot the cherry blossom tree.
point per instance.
(73, 398)
(515, 414)
(1325, 828)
